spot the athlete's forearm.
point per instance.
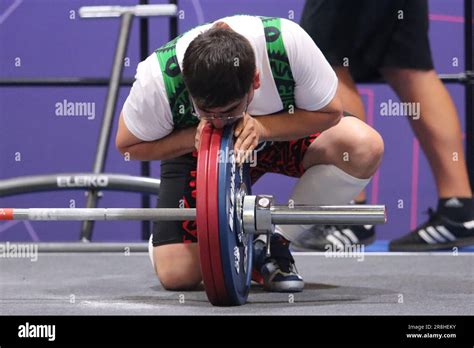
(177, 143)
(285, 126)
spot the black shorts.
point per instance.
(369, 34)
(178, 183)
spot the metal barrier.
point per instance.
(78, 181)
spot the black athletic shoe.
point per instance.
(437, 233)
(278, 272)
(334, 237)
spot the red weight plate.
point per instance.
(213, 217)
(201, 216)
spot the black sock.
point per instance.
(277, 238)
(456, 208)
(279, 245)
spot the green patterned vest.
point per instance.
(178, 95)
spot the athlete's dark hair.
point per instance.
(218, 67)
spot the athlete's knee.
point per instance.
(177, 266)
(369, 146)
(178, 279)
(363, 148)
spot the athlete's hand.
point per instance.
(197, 137)
(248, 132)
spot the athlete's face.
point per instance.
(225, 115)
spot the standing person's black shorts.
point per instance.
(370, 34)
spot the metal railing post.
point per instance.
(104, 136)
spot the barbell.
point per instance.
(227, 217)
(280, 214)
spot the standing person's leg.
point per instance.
(439, 132)
(438, 128)
(347, 90)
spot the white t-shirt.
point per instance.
(147, 113)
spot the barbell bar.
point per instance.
(98, 214)
(280, 214)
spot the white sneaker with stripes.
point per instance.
(334, 237)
